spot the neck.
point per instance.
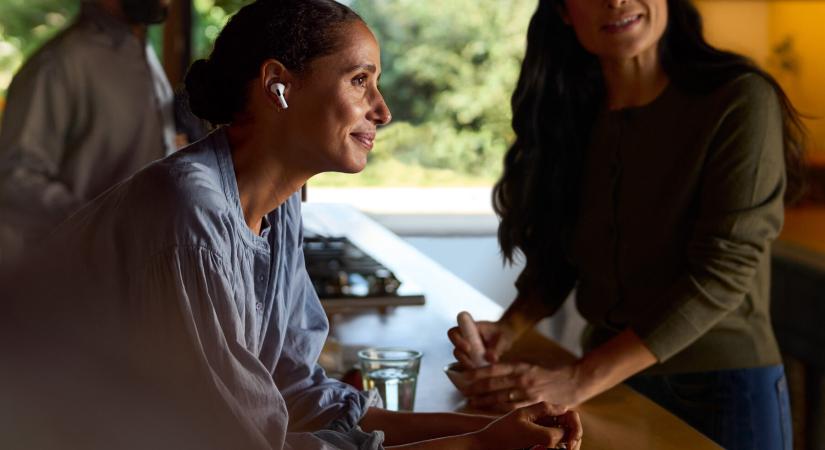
(633, 82)
(113, 8)
(266, 178)
(139, 31)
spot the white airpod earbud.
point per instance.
(278, 90)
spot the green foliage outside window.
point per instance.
(209, 17)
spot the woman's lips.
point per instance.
(365, 139)
(622, 24)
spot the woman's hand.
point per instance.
(507, 386)
(496, 336)
(539, 425)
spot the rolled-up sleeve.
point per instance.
(740, 213)
(183, 305)
(314, 400)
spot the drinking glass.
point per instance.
(393, 372)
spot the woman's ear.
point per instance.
(275, 80)
(273, 71)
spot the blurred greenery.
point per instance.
(24, 27)
(448, 71)
(209, 17)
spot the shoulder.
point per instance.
(750, 92)
(48, 60)
(193, 176)
(745, 103)
(746, 117)
(68, 44)
(55, 62)
(185, 197)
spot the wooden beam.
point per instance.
(177, 41)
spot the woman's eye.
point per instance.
(360, 80)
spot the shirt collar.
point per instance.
(220, 145)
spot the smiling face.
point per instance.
(336, 107)
(617, 29)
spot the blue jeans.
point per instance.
(739, 409)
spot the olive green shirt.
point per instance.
(680, 200)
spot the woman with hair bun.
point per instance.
(186, 286)
(649, 173)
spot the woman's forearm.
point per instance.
(525, 311)
(462, 442)
(610, 364)
(406, 427)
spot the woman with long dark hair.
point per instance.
(649, 173)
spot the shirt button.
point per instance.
(260, 278)
(259, 306)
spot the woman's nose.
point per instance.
(380, 113)
(615, 3)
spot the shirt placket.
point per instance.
(272, 291)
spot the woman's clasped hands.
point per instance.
(542, 423)
(506, 386)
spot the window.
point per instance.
(449, 70)
(448, 73)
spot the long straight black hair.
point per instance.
(559, 93)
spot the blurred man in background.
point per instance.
(87, 110)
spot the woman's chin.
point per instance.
(351, 163)
(355, 165)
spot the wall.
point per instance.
(786, 38)
(476, 260)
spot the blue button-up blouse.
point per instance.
(178, 286)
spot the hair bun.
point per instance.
(204, 100)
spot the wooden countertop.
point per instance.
(617, 419)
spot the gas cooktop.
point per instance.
(345, 277)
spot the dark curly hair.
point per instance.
(292, 31)
(555, 104)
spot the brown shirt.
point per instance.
(680, 200)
